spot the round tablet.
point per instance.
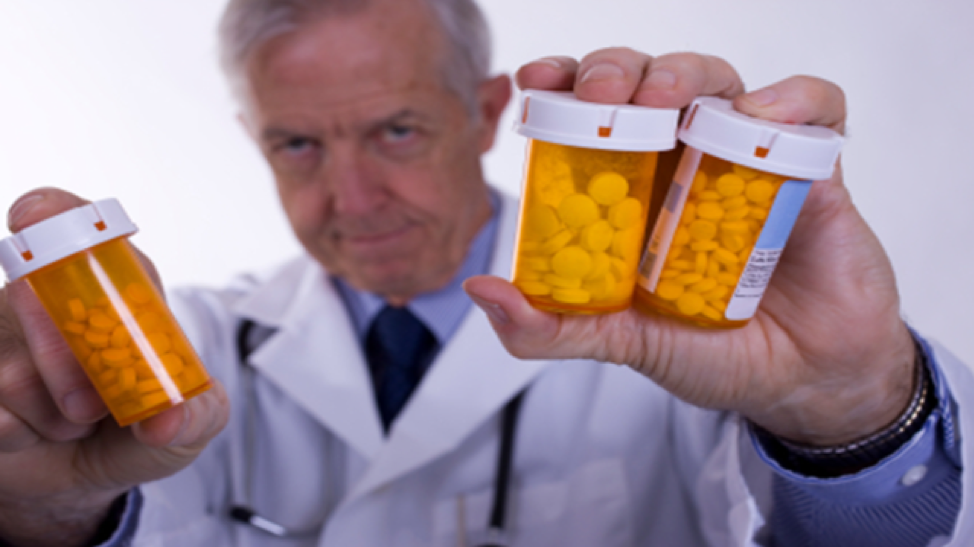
(578, 210)
(759, 191)
(626, 213)
(572, 262)
(730, 185)
(608, 188)
(690, 303)
(597, 236)
(542, 221)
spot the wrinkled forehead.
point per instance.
(392, 45)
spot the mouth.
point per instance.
(377, 241)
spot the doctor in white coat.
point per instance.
(361, 112)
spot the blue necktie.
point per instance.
(399, 349)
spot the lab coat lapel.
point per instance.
(470, 381)
(315, 357)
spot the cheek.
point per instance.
(304, 207)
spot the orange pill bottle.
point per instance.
(587, 186)
(86, 274)
(736, 195)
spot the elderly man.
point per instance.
(361, 401)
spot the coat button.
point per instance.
(914, 475)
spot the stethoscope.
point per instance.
(242, 513)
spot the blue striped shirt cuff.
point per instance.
(905, 500)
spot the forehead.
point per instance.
(391, 46)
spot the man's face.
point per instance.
(377, 163)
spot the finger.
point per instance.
(610, 75)
(156, 447)
(797, 100)
(38, 205)
(674, 80)
(27, 411)
(25, 401)
(527, 332)
(189, 425)
(552, 73)
(65, 380)
(511, 315)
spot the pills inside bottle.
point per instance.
(737, 193)
(103, 302)
(588, 181)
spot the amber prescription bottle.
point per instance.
(87, 276)
(587, 184)
(737, 193)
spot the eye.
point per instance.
(395, 133)
(297, 145)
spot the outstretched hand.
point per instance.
(825, 360)
(62, 460)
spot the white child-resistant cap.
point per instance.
(801, 151)
(63, 235)
(559, 117)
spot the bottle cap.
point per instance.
(802, 151)
(63, 235)
(559, 117)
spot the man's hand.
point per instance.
(826, 359)
(62, 460)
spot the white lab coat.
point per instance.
(603, 456)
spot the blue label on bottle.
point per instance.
(767, 250)
(783, 214)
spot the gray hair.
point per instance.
(246, 24)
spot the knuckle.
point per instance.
(817, 90)
(686, 64)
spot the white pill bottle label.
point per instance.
(763, 260)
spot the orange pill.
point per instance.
(159, 342)
(120, 337)
(101, 321)
(97, 339)
(173, 363)
(138, 293)
(77, 309)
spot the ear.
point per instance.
(493, 95)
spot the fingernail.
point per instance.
(762, 97)
(83, 405)
(556, 62)
(494, 311)
(661, 79)
(604, 71)
(22, 206)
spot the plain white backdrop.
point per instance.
(114, 98)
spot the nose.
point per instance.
(354, 182)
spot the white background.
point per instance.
(121, 98)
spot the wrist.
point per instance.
(61, 522)
(867, 451)
(852, 401)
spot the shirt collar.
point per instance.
(442, 310)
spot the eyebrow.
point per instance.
(274, 133)
(279, 133)
(402, 115)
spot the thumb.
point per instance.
(525, 331)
